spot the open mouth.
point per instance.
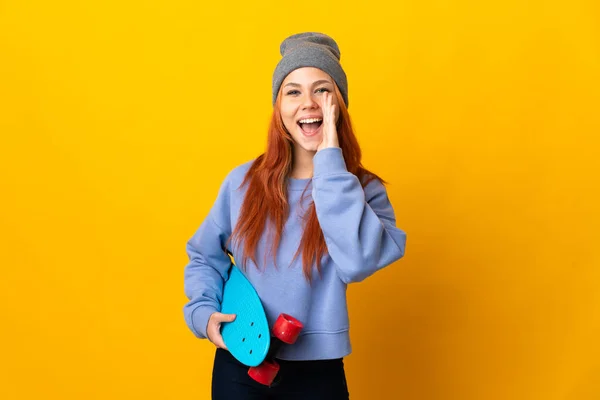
(310, 127)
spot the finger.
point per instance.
(331, 110)
(218, 339)
(224, 317)
(228, 317)
(326, 120)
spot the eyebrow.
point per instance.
(314, 83)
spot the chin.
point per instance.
(312, 145)
(308, 144)
(308, 147)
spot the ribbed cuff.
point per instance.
(329, 161)
(200, 317)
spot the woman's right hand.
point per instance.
(213, 329)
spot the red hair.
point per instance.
(265, 203)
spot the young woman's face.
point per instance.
(301, 100)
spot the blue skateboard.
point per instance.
(248, 337)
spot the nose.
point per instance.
(309, 101)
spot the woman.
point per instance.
(302, 220)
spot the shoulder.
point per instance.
(228, 187)
(372, 182)
(235, 177)
(375, 189)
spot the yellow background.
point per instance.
(118, 121)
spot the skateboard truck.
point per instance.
(285, 331)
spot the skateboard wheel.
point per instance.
(265, 373)
(287, 328)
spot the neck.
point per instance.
(302, 164)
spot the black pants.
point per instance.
(297, 380)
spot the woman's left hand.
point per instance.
(330, 137)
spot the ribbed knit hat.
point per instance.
(310, 49)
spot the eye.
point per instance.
(320, 90)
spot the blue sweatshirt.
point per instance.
(360, 231)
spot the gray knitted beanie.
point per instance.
(310, 49)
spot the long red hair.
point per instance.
(265, 203)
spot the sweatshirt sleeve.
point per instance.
(208, 265)
(359, 224)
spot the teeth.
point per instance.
(309, 120)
